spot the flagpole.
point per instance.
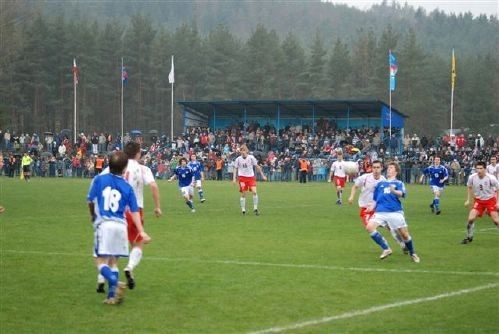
(390, 108)
(74, 96)
(390, 99)
(121, 75)
(172, 80)
(172, 115)
(452, 94)
(451, 110)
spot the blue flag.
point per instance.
(392, 61)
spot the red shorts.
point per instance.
(133, 234)
(365, 215)
(339, 181)
(245, 183)
(488, 205)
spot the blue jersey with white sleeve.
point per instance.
(437, 174)
(184, 175)
(112, 195)
(197, 168)
(385, 200)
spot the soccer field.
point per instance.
(304, 265)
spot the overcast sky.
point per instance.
(476, 7)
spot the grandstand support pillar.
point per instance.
(184, 116)
(313, 118)
(381, 127)
(348, 117)
(278, 117)
(245, 117)
(214, 119)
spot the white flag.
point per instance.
(171, 76)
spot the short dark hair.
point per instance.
(377, 162)
(480, 163)
(183, 159)
(118, 162)
(131, 149)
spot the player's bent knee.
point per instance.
(371, 227)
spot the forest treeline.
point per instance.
(215, 61)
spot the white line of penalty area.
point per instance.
(374, 309)
(269, 264)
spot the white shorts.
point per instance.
(394, 220)
(434, 189)
(197, 183)
(111, 239)
(186, 191)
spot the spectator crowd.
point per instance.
(278, 151)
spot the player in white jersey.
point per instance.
(137, 175)
(243, 171)
(367, 182)
(338, 176)
(484, 188)
(493, 167)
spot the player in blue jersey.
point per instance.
(388, 211)
(108, 197)
(197, 167)
(185, 177)
(438, 175)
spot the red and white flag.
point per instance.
(76, 72)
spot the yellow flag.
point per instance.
(453, 73)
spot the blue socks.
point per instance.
(379, 239)
(409, 246)
(436, 203)
(111, 276)
(189, 204)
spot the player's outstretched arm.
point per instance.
(155, 197)
(260, 170)
(352, 194)
(234, 178)
(468, 198)
(91, 208)
(140, 228)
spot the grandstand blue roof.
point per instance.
(213, 112)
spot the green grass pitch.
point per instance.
(304, 265)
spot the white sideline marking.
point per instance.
(281, 265)
(374, 309)
(315, 266)
(489, 229)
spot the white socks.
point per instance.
(255, 202)
(100, 278)
(134, 258)
(471, 229)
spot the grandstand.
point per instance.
(282, 113)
